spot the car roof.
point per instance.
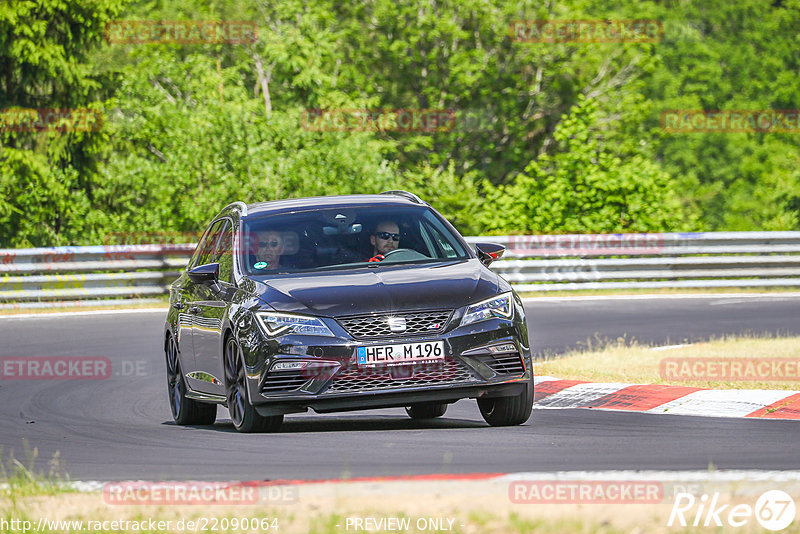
(297, 204)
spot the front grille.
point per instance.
(372, 379)
(377, 326)
(284, 381)
(506, 364)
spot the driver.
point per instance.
(384, 239)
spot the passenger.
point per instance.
(269, 249)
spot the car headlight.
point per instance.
(500, 307)
(279, 324)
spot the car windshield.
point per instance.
(338, 238)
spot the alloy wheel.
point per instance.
(235, 383)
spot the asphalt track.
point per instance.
(121, 428)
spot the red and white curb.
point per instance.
(553, 393)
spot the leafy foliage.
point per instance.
(47, 178)
(548, 137)
(584, 187)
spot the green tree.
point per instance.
(508, 96)
(217, 122)
(719, 55)
(193, 131)
(584, 188)
(455, 196)
(48, 178)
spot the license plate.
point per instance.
(375, 355)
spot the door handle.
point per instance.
(194, 310)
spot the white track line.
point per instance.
(45, 315)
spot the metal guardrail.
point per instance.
(649, 261)
(81, 276)
(43, 277)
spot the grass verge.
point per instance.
(19, 480)
(630, 362)
(459, 507)
(36, 502)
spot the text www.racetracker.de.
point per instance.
(201, 524)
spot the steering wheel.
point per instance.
(393, 252)
(404, 254)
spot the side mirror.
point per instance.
(205, 273)
(488, 252)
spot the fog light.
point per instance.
(289, 366)
(507, 347)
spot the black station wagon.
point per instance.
(343, 303)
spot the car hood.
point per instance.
(382, 289)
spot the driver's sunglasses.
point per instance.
(387, 235)
(271, 244)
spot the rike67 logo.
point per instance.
(774, 510)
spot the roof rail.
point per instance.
(405, 194)
(239, 205)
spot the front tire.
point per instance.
(185, 411)
(508, 411)
(243, 414)
(426, 410)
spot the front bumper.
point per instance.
(393, 399)
(491, 358)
